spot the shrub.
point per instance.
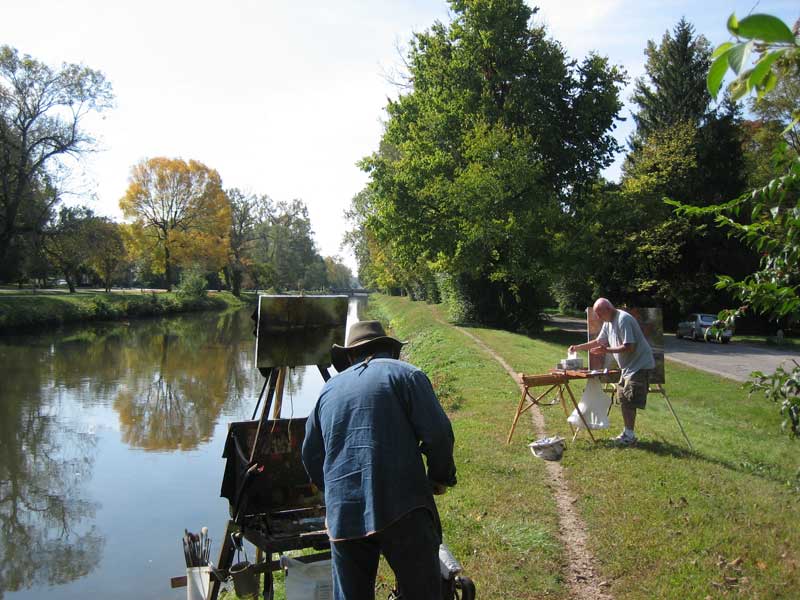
(192, 285)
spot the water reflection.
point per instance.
(149, 399)
(46, 535)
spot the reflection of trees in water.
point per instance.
(180, 374)
(169, 380)
(44, 538)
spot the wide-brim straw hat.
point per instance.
(362, 334)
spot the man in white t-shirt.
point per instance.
(622, 337)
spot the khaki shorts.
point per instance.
(632, 391)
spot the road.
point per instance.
(734, 360)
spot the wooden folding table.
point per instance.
(557, 380)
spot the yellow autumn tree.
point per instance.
(179, 215)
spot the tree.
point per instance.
(338, 275)
(780, 106)
(71, 241)
(674, 89)
(285, 242)
(683, 148)
(247, 212)
(180, 214)
(42, 113)
(107, 254)
(482, 157)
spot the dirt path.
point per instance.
(582, 578)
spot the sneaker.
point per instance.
(624, 439)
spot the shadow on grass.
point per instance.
(661, 447)
(551, 334)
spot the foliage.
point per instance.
(779, 106)
(676, 91)
(768, 218)
(337, 274)
(493, 139)
(783, 387)
(682, 148)
(107, 255)
(248, 211)
(193, 285)
(71, 241)
(32, 311)
(180, 214)
(774, 43)
(285, 244)
(42, 115)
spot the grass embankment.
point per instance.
(665, 522)
(27, 310)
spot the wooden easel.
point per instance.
(558, 382)
(266, 543)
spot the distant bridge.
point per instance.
(351, 292)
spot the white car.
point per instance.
(703, 326)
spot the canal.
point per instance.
(111, 439)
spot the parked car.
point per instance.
(702, 326)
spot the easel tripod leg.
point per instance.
(516, 416)
(225, 560)
(677, 420)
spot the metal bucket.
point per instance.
(245, 580)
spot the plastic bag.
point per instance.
(311, 581)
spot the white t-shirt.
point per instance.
(623, 329)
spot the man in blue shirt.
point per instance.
(363, 447)
(622, 337)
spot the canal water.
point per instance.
(111, 439)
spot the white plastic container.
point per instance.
(312, 581)
(198, 582)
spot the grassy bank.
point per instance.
(500, 520)
(664, 522)
(27, 310)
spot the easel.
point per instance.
(256, 528)
(557, 381)
(657, 388)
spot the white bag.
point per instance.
(198, 581)
(594, 407)
(312, 581)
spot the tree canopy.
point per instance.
(42, 114)
(179, 212)
(481, 157)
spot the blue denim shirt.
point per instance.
(364, 444)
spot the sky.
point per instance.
(284, 98)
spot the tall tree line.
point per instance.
(178, 215)
(485, 155)
(485, 191)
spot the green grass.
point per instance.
(789, 343)
(28, 310)
(500, 520)
(665, 522)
